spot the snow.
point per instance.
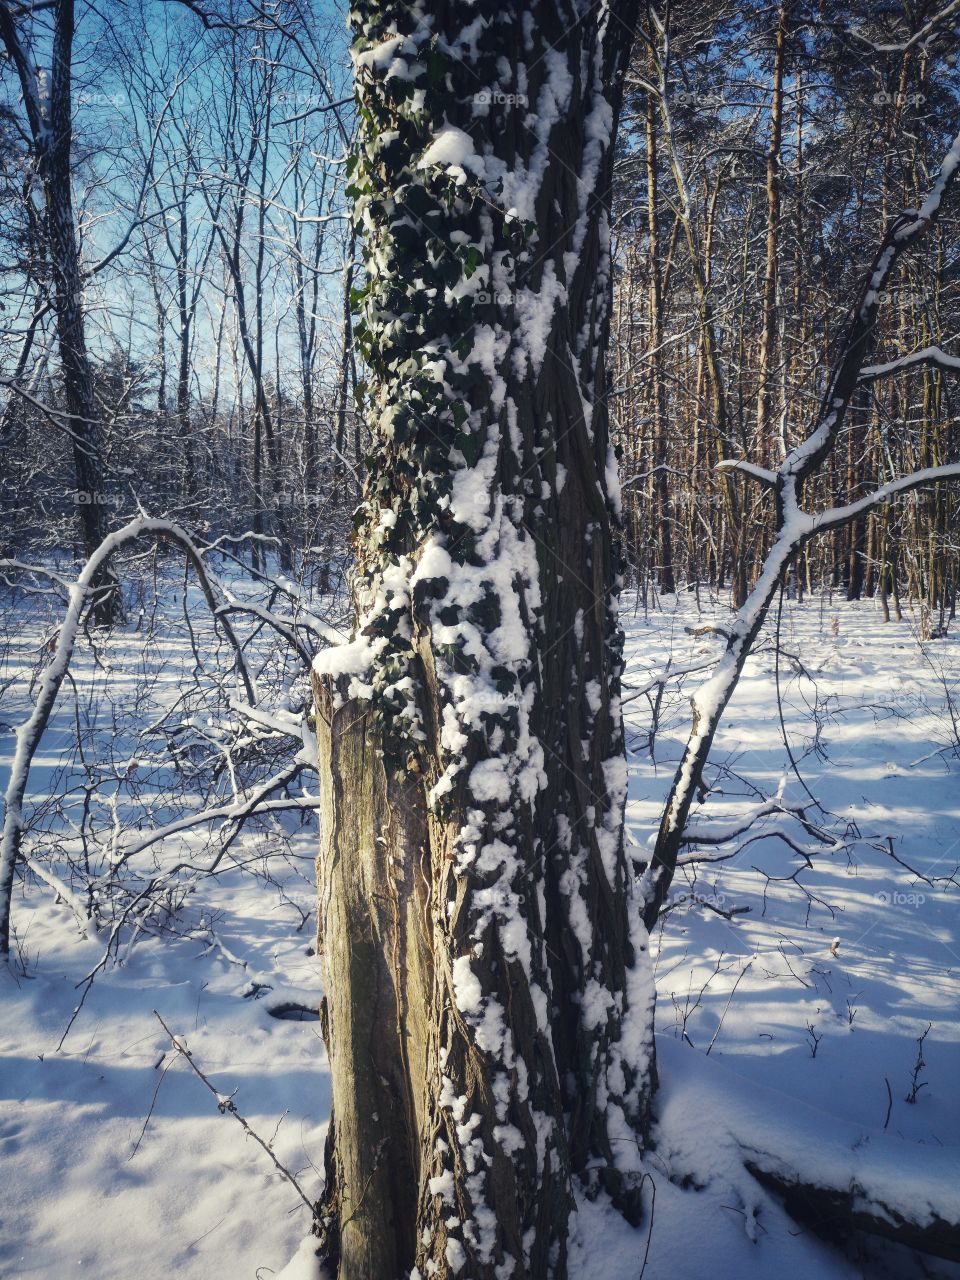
(895, 965)
(378, 56)
(456, 1256)
(535, 313)
(196, 1198)
(452, 150)
(101, 1191)
(442, 1186)
(303, 1265)
(353, 657)
(466, 986)
(489, 781)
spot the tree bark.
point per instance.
(660, 511)
(489, 999)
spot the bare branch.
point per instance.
(227, 1107)
(925, 356)
(768, 479)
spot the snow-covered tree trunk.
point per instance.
(489, 1000)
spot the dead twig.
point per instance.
(226, 1105)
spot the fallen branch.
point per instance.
(226, 1105)
(834, 1175)
(832, 1211)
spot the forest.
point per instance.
(479, 660)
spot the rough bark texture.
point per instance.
(489, 1000)
(374, 936)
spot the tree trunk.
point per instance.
(9, 415)
(489, 999)
(185, 311)
(51, 128)
(768, 337)
(660, 513)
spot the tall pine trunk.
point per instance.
(660, 511)
(765, 447)
(488, 1015)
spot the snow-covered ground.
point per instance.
(786, 1023)
(793, 1025)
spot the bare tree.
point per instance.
(795, 526)
(48, 105)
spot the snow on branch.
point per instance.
(764, 477)
(925, 356)
(903, 233)
(903, 484)
(704, 835)
(928, 32)
(274, 728)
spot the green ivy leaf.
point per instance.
(469, 446)
(472, 260)
(436, 68)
